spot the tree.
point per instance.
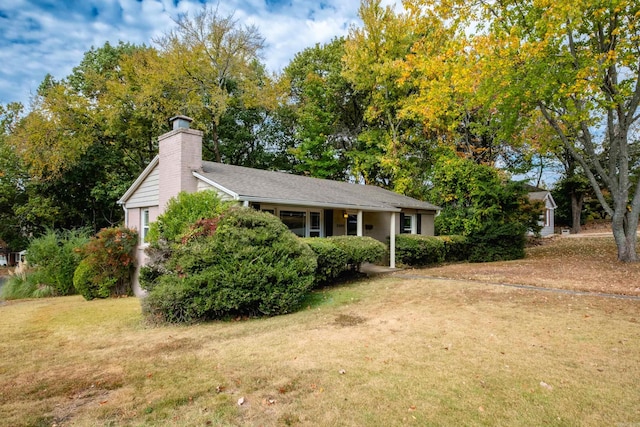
(327, 109)
(12, 177)
(394, 149)
(577, 63)
(211, 64)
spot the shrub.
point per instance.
(54, 258)
(332, 260)
(412, 249)
(183, 211)
(250, 265)
(360, 249)
(108, 264)
(23, 284)
(498, 242)
(456, 248)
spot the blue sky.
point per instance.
(50, 36)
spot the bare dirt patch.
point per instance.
(586, 264)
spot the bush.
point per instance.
(182, 212)
(412, 249)
(332, 260)
(54, 258)
(498, 242)
(360, 249)
(108, 264)
(22, 284)
(250, 265)
(456, 248)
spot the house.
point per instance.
(310, 207)
(547, 218)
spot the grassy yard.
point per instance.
(388, 351)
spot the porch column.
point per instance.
(360, 227)
(392, 241)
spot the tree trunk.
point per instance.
(576, 211)
(625, 229)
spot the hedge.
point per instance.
(360, 249)
(331, 259)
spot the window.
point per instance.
(352, 225)
(296, 221)
(144, 225)
(314, 224)
(408, 223)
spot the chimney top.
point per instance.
(180, 122)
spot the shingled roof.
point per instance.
(261, 186)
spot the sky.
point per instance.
(39, 37)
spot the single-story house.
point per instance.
(310, 207)
(547, 219)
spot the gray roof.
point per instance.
(278, 187)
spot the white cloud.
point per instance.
(37, 38)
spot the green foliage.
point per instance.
(54, 258)
(473, 195)
(108, 264)
(497, 242)
(360, 249)
(25, 285)
(456, 248)
(331, 259)
(328, 110)
(251, 265)
(412, 249)
(182, 212)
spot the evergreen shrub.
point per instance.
(456, 248)
(331, 259)
(249, 264)
(498, 242)
(360, 249)
(418, 250)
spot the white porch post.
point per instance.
(392, 241)
(360, 227)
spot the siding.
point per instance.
(147, 193)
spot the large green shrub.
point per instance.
(413, 249)
(54, 258)
(456, 247)
(248, 264)
(108, 264)
(498, 242)
(360, 249)
(332, 260)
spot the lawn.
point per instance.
(391, 351)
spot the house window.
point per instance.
(352, 225)
(296, 221)
(408, 224)
(144, 225)
(314, 224)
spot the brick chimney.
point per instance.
(180, 152)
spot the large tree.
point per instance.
(212, 64)
(393, 148)
(327, 109)
(578, 63)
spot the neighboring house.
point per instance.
(310, 207)
(547, 218)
